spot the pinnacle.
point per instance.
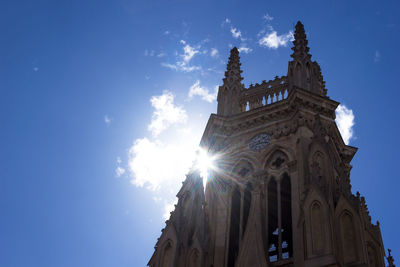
(300, 49)
(233, 68)
(234, 50)
(299, 26)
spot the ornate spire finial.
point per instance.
(233, 68)
(300, 48)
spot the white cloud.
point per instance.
(107, 120)
(168, 208)
(155, 164)
(235, 33)
(161, 54)
(197, 90)
(165, 113)
(345, 122)
(273, 40)
(119, 171)
(214, 52)
(35, 69)
(226, 21)
(182, 64)
(244, 49)
(188, 51)
(267, 17)
(167, 32)
(377, 56)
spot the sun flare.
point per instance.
(204, 163)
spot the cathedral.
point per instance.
(279, 193)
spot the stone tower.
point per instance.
(280, 193)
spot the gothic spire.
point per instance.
(304, 73)
(233, 71)
(300, 48)
(229, 93)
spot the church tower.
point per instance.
(280, 192)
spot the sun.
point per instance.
(204, 163)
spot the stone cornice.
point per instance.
(280, 119)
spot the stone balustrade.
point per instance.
(263, 94)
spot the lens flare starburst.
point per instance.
(204, 164)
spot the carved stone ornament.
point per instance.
(259, 142)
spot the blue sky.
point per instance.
(96, 93)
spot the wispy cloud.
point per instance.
(377, 56)
(243, 48)
(236, 33)
(166, 113)
(345, 122)
(119, 171)
(107, 120)
(150, 53)
(183, 60)
(226, 21)
(203, 92)
(267, 17)
(214, 52)
(273, 40)
(189, 51)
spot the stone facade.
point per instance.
(280, 194)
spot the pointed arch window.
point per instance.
(280, 243)
(286, 217)
(240, 209)
(273, 237)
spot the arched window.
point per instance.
(286, 213)
(273, 231)
(349, 241)
(280, 240)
